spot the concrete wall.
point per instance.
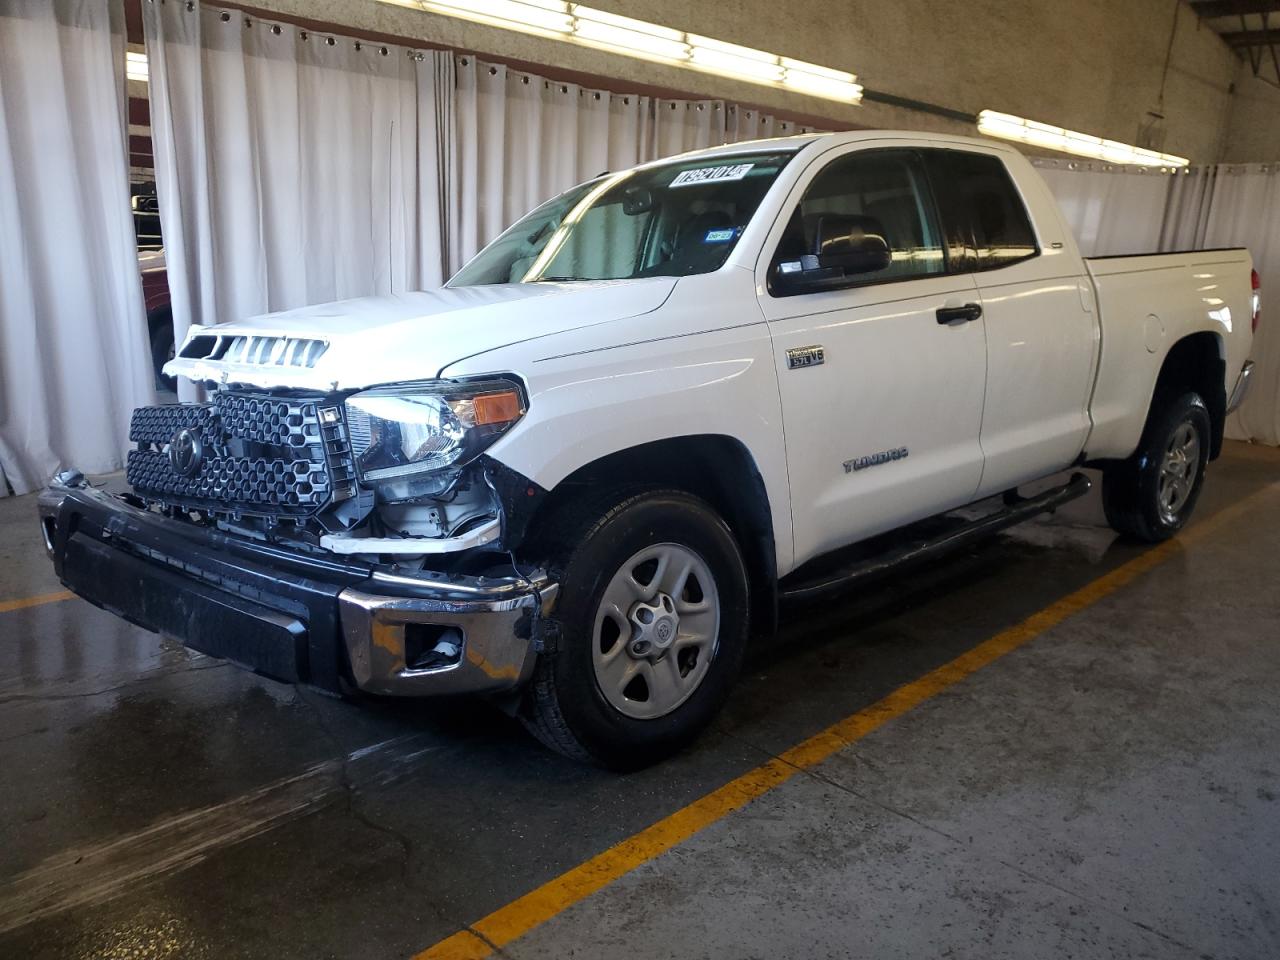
(1254, 134)
(1091, 65)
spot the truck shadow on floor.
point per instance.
(831, 657)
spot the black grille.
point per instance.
(260, 456)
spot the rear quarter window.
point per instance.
(980, 195)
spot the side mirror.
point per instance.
(852, 244)
(843, 246)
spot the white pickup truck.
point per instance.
(578, 477)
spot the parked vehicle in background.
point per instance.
(155, 297)
(146, 218)
(578, 477)
(155, 285)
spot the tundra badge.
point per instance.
(875, 459)
(805, 356)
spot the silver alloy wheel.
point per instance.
(1178, 471)
(656, 631)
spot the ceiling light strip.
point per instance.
(1008, 127)
(578, 23)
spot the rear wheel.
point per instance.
(652, 626)
(1151, 495)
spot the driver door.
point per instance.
(881, 365)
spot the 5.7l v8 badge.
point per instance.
(809, 356)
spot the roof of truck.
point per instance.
(836, 138)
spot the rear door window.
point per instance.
(982, 208)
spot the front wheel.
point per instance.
(651, 628)
(1151, 495)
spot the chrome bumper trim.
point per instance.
(497, 639)
(48, 502)
(1242, 387)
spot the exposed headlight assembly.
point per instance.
(407, 437)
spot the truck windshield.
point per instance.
(669, 220)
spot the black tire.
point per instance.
(564, 706)
(1131, 489)
(161, 324)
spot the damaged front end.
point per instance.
(342, 540)
(394, 472)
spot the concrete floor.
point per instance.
(1108, 790)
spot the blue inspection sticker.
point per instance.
(719, 236)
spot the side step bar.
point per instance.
(1015, 512)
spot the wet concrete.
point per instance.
(1108, 790)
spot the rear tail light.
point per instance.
(1257, 299)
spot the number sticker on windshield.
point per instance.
(690, 178)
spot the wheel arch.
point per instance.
(1196, 362)
(714, 467)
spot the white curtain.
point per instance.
(1110, 210)
(74, 359)
(1245, 212)
(1186, 212)
(746, 123)
(522, 139)
(682, 125)
(676, 126)
(293, 167)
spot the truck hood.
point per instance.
(367, 341)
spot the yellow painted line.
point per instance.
(554, 897)
(7, 605)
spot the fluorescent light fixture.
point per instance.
(733, 50)
(135, 66)
(631, 41)
(717, 61)
(628, 35)
(1008, 127)
(800, 66)
(527, 16)
(578, 23)
(821, 81)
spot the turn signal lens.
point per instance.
(497, 407)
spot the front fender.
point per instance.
(590, 399)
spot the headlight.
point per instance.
(405, 437)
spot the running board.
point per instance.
(1014, 513)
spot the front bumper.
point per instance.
(298, 618)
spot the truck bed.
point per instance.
(1147, 302)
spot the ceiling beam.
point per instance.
(1252, 38)
(1208, 9)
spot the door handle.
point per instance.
(966, 314)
